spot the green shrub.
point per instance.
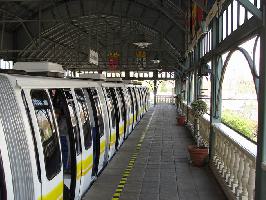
(240, 124)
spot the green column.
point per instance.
(215, 101)
(260, 192)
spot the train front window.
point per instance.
(49, 139)
(84, 116)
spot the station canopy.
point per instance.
(123, 34)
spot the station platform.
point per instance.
(153, 164)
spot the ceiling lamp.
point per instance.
(156, 60)
(141, 42)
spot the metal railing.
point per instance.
(165, 99)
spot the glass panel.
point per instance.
(74, 119)
(111, 106)
(224, 24)
(49, 139)
(84, 116)
(234, 15)
(229, 19)
(97, 110)
(241, 15)
(239, 98)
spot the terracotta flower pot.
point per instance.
(181, 120)
(198, 155)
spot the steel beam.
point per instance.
(251, 8)
(244, 32)
(180, 26)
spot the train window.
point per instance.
(136, 100)
(32, 134)
(49, 139)
(131, 100)
(74, 120)
(2, 181)
(96, 106)
(122, 102)
(111, 106)
(84, 116)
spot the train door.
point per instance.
(132, 116)
(136, 113)
(117, 116)
(99, 140)
(122, 113)
(69, 133)
(3, 192)
(112, 121)
(138, 103)
(128, 112)
(141, 100)
(146, 99)
(47, 141)
(86, 140)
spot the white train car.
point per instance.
(56, 134)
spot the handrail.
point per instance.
(233, 159)
(165, 99)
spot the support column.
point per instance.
(155, 91)
(260, 192)
(196, 85)
(215, 101)
(178, 86)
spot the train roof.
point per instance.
(26, 81)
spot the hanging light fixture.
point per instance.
(156, 59)
(141, 42)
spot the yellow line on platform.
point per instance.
(130, 165)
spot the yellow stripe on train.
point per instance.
(102, 147)
(121, 130)
(113, 139)
(56, 193)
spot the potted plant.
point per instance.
(198, 153)
(181, 119)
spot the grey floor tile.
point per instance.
(161, 170)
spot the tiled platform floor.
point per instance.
(161, 170)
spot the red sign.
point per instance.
(113, 60)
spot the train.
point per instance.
(58, 134)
